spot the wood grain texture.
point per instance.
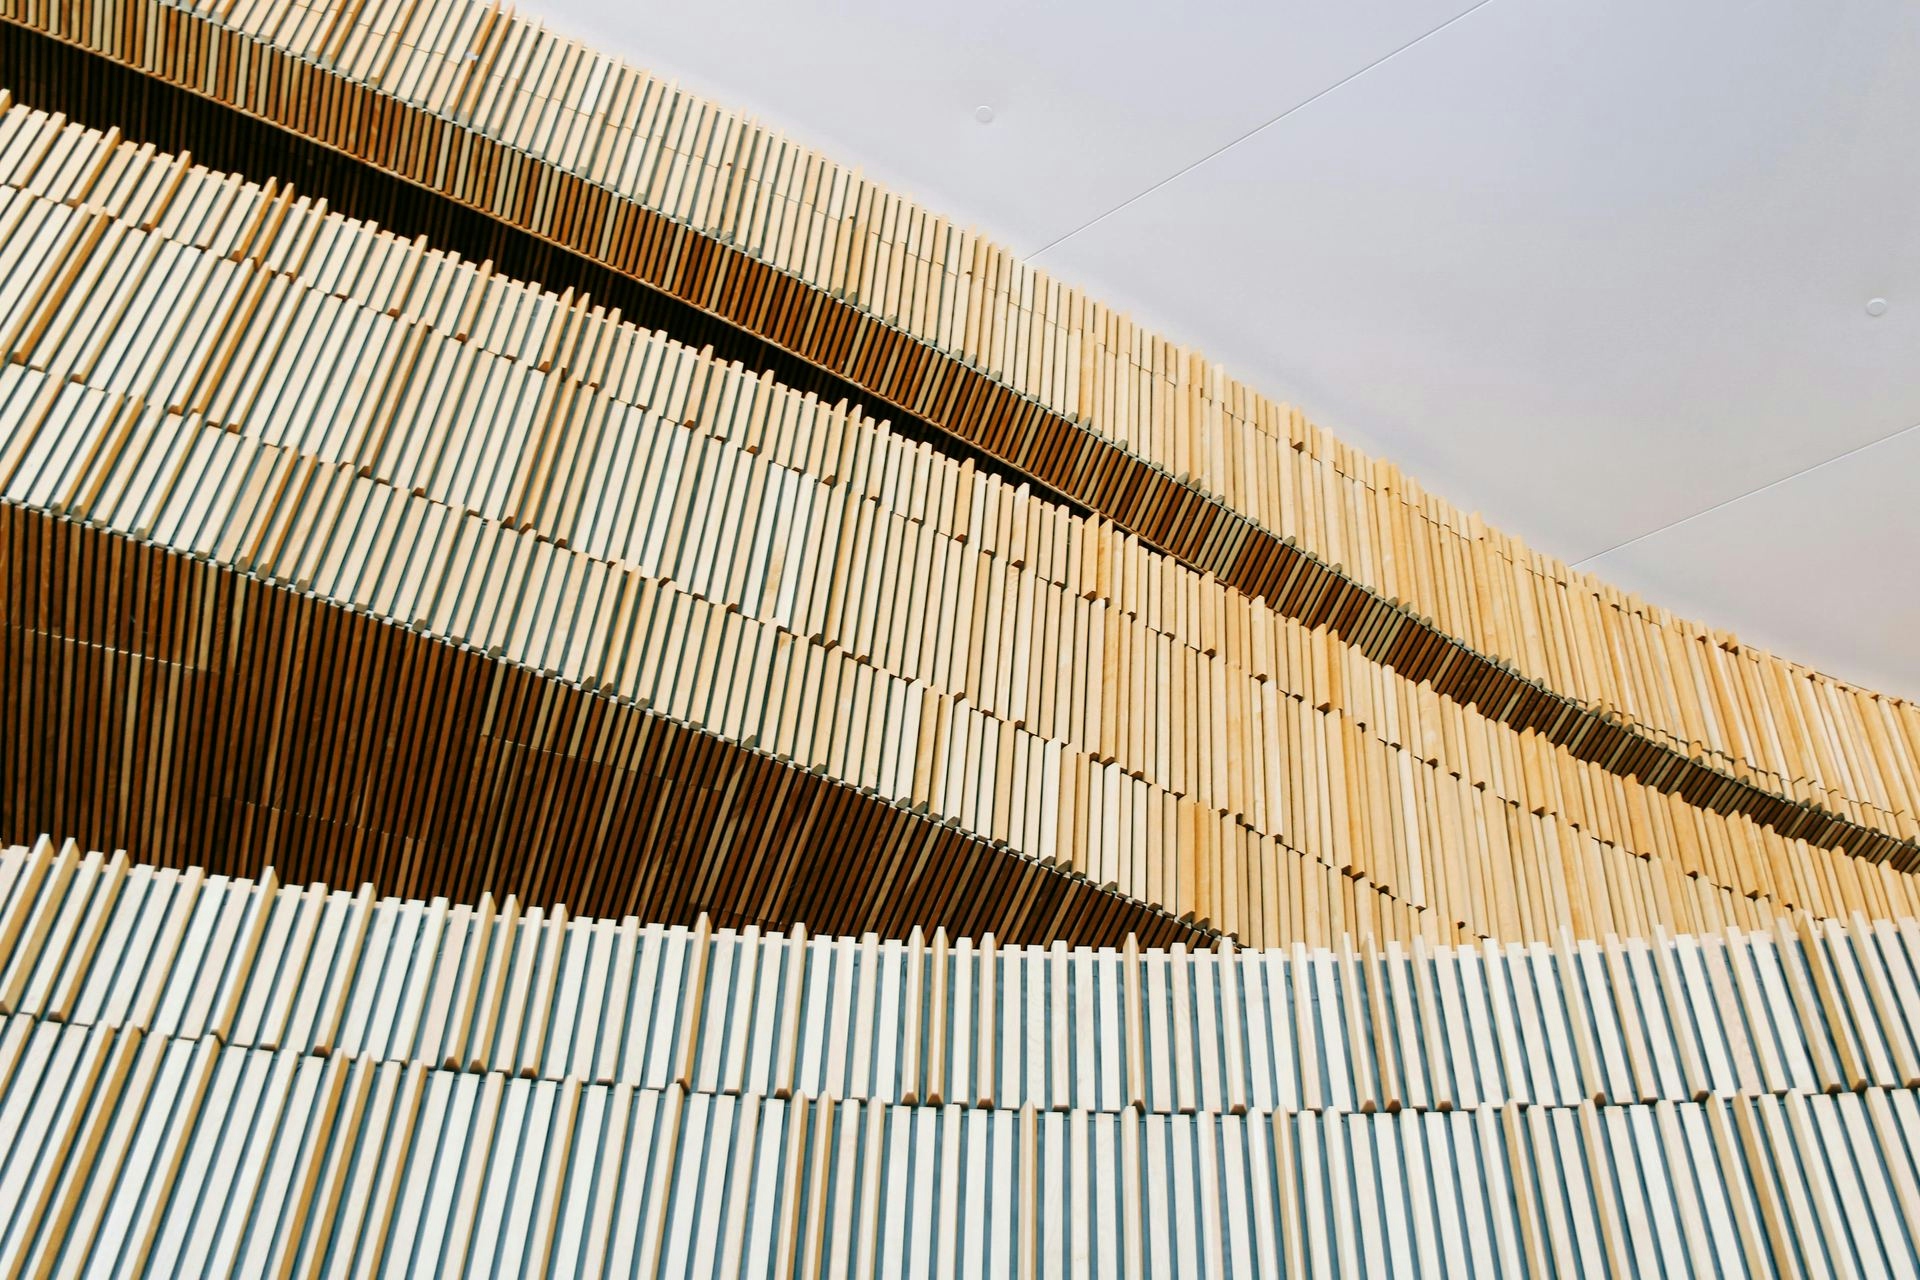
(163, 705)
(602, 455)
(664, 189)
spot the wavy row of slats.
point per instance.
(570, 415)
(630, 137)
(912, 768)
(1805, 1009)
(205, 717)
(131, 1155)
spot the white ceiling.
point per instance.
(1598, 270)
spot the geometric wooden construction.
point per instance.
(455, 1088)
(373, 427)
(1034, 805)
(640, 183)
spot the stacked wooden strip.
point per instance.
(202, 717)
(1592, 739)
(614, 450)
(125, 1154)
(492, 987)
(634, 173)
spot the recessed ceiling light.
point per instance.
(983, 113)
(1877, 307)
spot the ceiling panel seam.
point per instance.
(1225, 147)
(1741, 497)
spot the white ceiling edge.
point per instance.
(1592, 270)
(1090, 103)
(1769, 555)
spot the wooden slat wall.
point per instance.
(1192, 461)
(285, 302)
(141, 1155)
(164, 1105)
(325, 549)
(203, 718)
(1806, 1008)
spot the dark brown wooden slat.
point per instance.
(339, 747)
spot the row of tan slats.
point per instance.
(56, 266)
(472, 68)
(250, 328)
(129, 1151)
(1804, 1009)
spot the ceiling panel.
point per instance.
(1586, 268)
(1092, 103)
(1825, 566)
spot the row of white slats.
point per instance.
(93, 940)
(123, 1154)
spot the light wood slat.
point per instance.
(390, 517)
(1852, 727)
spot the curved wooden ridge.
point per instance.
(227, 370)
(318, 1082)
(209, 719)
(920, 316)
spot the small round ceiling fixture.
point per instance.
(983, 113)
(1877, 307)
